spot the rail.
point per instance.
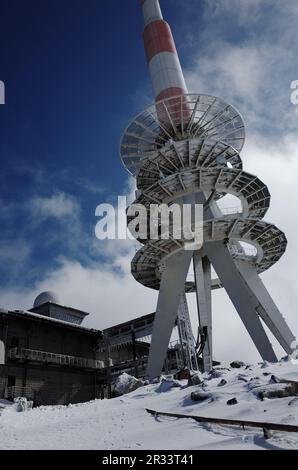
(232, 422)
(18, 391)
(53, 358)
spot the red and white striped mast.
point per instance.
(164, 65)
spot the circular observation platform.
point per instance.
(195, 154)
(269, 243)
(182, 117)
(249, 189)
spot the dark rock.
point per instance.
(200, 396)
(274, 390)
(266, 373)
(274, 379)
(237, 364)
(232, 401)
(183, 374)
(214, 374)
(221, 383)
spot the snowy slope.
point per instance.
(122, 423)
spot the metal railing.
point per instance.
(53, 358)
(231, 210)
(18, 391)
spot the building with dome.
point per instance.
(47, 356)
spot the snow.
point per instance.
(4, 403)
(123, 423)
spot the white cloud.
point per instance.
(244, 10)
(234, 68)
(250, 65)
(57, 206)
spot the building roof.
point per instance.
(47, 304)
(28, 315)
(133, 322)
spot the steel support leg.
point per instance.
(171, 287)
(267, 309)
(245, 302)
(202, 271)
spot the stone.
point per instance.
(215, 374)
(222, 383)
(232, 401)
(126, 383)
(200, 396)
(274, 379)
(274, 390)
(183, 374)
(22, 404)
(237, 364)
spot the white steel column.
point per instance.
(267, 309)
(241, 296)
(202, 271)
(171, 287)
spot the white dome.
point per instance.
(47, 296)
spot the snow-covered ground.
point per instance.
(123, 423)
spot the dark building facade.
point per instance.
(48, 360)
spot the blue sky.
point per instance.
(75, 73)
